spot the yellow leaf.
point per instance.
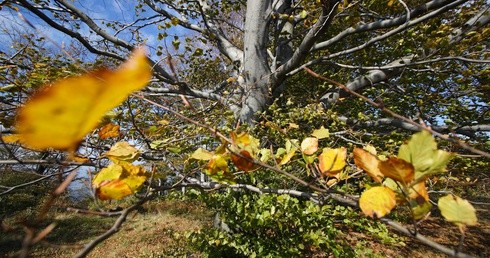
(113, 171)
(216, 164)
(397, 169)
(321, 133)
(419, 192)
(118, 181)
(11, 138)
(202, 154)
(122, 151)
(377, 201)
(421, 150)
(163, 122)
(369, 163)
(332, 161)
(109, 131)
(309, 145)
(59, 116)
(113, 190)
(457, 210)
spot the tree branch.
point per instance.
(464, 130)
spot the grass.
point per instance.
(156, 232)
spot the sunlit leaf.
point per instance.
(265, 155)
(309, 145)
(59, 116)
(118, 181)
(421, 150)
(217, 168)
(377, 201)
(202, 154)
(369, 163)
(419, 191)
(457, 211)
(321, 133)
(285, 154)
(397, 169)
(122, 151)
(109, 130)
(113, 171)
(332, 161)
(113, 190)
(217, 163)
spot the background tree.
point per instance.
(218, 62)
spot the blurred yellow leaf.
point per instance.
(202, 154)
(397, 169)
(11, 138)
(309, 145)
(377, 201)
(122, 151)
(457, 211)
(59, 116)
(163, 122)
(332, 161)
(109, 131)
(369, 163)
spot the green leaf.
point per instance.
(422, 152)
(321, 133)
(457, 211)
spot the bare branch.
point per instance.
(464, 130)
(383, 24)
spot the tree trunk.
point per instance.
(256, 71)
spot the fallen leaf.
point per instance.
(59, 116)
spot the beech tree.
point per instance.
(360, 71)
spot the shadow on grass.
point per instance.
(73, 229)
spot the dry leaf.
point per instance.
(369, 163)
(109, 130)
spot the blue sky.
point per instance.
(100, 11)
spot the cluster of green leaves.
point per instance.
(279, 226)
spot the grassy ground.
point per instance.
(159, 231)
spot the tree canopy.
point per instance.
(334, 102)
